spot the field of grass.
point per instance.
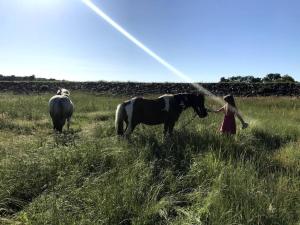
(89, 176)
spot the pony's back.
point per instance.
(60, 104)
(60, 109)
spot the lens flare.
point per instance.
(151, 53)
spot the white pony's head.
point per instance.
(62, 91)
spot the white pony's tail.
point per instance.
(119, 120)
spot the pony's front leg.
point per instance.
(166, 128)
(171, 127)
(129, 129)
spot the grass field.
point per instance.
(89, 176)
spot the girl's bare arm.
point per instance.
(241, 119)
(239, 116)
(219, 110)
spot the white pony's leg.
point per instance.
(129, 112)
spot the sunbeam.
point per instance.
(155, 56)
(151, 53)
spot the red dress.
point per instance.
(228, 126)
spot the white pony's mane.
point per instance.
(63, 91)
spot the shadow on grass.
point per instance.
(104, 117)
(269, 141)
(66, 138)
(176, 152)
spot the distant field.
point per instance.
(89, 176)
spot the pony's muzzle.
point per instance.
(202, 112)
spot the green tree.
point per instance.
(287, 78)
(272, 77)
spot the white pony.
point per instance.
(61, 109)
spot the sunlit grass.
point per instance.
(90, 176)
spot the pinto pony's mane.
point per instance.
(63, 91)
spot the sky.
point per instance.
(205, 39)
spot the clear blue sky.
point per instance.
(206, 39)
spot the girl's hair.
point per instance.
(230, 100)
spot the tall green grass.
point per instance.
(90, 176)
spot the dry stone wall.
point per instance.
(140, 89)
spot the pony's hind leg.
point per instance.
(68, 122)
(61, 124)
(171, 127)
(56, 125)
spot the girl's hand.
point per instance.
(245, 125)
(211, 110)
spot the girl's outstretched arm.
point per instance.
(222, 109)
(244, 124)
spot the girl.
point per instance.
(229, 109)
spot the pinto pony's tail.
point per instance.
(119, 120)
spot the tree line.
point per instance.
(271, 77)
(23, 78)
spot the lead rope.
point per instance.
(188, 122)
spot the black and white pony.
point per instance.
(61, 109)
(166, 109)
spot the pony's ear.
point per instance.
(66, 92)
(58, 91)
